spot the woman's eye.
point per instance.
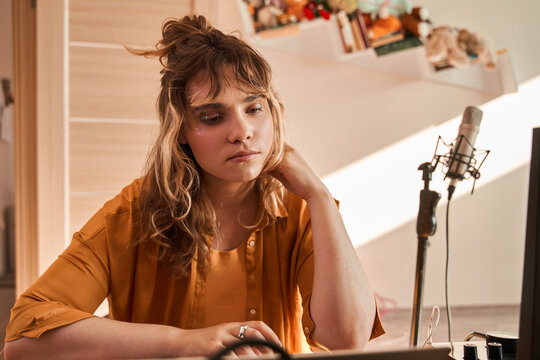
(211, 118)
(255, 109)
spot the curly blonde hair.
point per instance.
(176, 213)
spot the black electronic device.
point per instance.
(405, 354)
(529, 320)
(470, 352)
(409, 354)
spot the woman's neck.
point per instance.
(232, 196)
(235, 207)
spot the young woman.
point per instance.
(229, 234)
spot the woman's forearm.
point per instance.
(98, 338)
(342, 302)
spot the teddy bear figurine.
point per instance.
(295, 9)
(383, 26)
(268, 16)
(442, 47)
(476, 47)
(417, 22)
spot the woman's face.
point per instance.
(231, 135)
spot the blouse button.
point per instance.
(252, 277)
(252, 311)
(306, 329)
(252, 243)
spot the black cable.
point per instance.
(250, 342)
(448, 312)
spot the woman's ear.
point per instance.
(182, 139)
(182, 136)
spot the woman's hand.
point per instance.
(207, 341)
(297, 176)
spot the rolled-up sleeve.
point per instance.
(70, 290)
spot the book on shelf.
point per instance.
(387, 39)
(357, 18)
(357, 33)
(407, 43)
(346, 32)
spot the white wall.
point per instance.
(6, 148)
(353, 125)
(487, 229)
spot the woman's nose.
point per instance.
(241, 129)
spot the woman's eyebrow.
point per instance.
(218, 105)
(252, 97)
(208, 106)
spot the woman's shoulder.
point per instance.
(294, 206)
(122, 208)
(126, 200)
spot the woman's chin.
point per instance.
(246, 176)
(234, 176)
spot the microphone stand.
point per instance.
(426, 225)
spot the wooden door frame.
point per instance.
(40, 141)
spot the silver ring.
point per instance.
(242, 332)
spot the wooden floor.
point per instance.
(396, 323)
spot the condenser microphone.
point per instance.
(463, 152)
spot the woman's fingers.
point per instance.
(246, 333)
(256, 334)
(297, 176)
(252, 330)
(245, 350)
(266, 332)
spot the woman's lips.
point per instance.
(242, 156)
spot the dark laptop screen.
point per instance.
(529, 322)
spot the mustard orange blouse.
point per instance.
(103, 262)
(225, 295)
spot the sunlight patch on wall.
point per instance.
(380, 192)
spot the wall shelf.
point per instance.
(320, 38)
